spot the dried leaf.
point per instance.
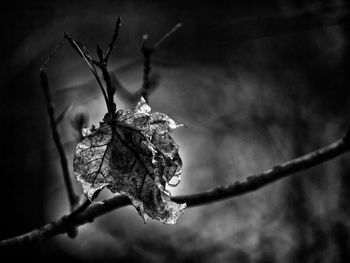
(133, 155)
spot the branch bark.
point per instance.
(252, 183)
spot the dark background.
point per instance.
(255, 82)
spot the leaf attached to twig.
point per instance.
(132, 154)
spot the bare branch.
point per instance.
(255, 182)
(99, 54)
(147, 52)
(110, 87)
(73, 199)
(114, 38)
(102, 65)
(43, 66)
(251, 184)
(90, 63)
(148, 84)
(63, 225)
(167, 35)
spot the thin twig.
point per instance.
(146, 86)
(107, 79)
(114, 38)
(147, 53)
(59, 44)
(90, 63)
(167, 35)
(252, 183)
(73, 199)
(102, 65)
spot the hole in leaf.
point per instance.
(174, 181)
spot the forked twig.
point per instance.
(147, 52)
(109, 91)
(82, 51)
(90, 63)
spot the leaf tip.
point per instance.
(176, 213)
(142, 106)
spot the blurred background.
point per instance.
(256, 83)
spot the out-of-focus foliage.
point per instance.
(132, 154)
